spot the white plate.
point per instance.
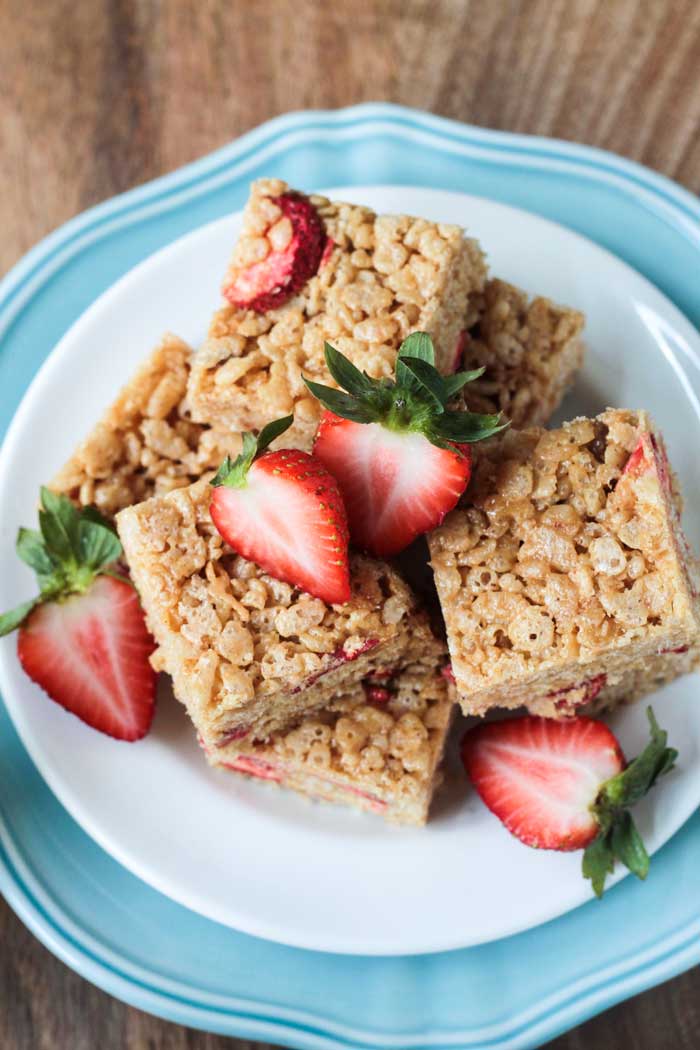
(247, 854)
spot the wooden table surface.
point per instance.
(99, 95)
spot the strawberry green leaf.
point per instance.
(611, 807)
(272, 431)
(98, 545)
(93, 514)
(58, 521)
(427, 379)
(10, 621)
(641, 774)
(346, 375)
(416, 401)
(343, 404)
(222, 473)
(420, 345)
(467, 427)
(233, 473)
(73, 546)
(627, 845)
(454, 383)
(31, 548)
(598, 862)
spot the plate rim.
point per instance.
(677, 207)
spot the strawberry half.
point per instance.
(284, 511)
(270, 283)
(84, 639)
(401, 457)
(567, 786)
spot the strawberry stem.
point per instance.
(71, 548)
(619, 838)
(416, 400)
(234, 473)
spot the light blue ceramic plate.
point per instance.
(161, 957)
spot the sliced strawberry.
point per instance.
(269, 284)
(541, 777)
(284, 511)
(84, 638)
(401, 457)
(90, 653)
(566, 786)
(396, 486)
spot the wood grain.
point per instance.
(99, 95)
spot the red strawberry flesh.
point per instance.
(579, 694)
(540, 777)
(255, 767)
(90, 653)
(396, 485)
(268, 284)
(290, 520)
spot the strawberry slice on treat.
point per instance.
(567, 786)
(84, 639)
(268, 284)
(400, 455)
(285, 512)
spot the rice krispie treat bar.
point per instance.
(146, 443)
(249, 654)
(531, 350)
(377, 746)
(306, 270)
(565, 579)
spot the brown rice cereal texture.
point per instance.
(249, 654)
(381, 277)
(145, 444)
(531, 350)
(377, 746)
(565, 579)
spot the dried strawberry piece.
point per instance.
(640, 460)
(270, 283)
(327, 252)
(255, 767)
(234, 734)
(448, 674)
(678, 649)
(377, 694)
(462, 341)
(579, 694)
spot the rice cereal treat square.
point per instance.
(531, 350)
(306, 270)
(377, 746)
(146, 443)
(564, 578)
(249, 654)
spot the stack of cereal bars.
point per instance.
(563, 577)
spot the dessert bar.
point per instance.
(145, 444)
(249, 654)
(531, 350)
(377, 746)
(306, 270)
(564, 578)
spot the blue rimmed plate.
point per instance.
(126, 937)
